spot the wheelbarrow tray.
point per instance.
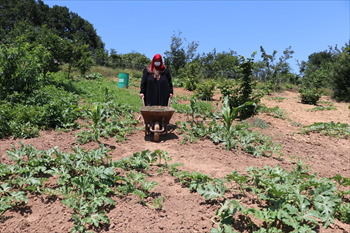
(152, 114)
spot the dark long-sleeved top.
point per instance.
(156, 92)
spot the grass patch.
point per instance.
(99, 90)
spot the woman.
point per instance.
(156, 85)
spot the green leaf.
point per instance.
(342, 181)
(209, 191)
(108, 201)
(19, 196)
(215, 230)
(5, 188)
(326, 205)
(229, 229)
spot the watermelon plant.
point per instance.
(295, 200)
(328, 128)
(87, 180)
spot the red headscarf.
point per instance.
(157, 56)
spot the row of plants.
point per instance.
(221, 130)
(293, 201)
(109, 119)
(88, 181)
(340, 130)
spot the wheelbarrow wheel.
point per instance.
(156, 135)
(147, 131)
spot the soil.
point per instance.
(185, 211)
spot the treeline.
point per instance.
(323, 70)
(327, 69)
(56, 36)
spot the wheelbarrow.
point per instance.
(156, 116)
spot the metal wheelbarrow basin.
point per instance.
(154, 117)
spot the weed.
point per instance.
(257, 122)
(277, 99)
(321, 108)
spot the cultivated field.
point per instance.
(184, 210)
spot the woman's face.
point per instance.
(157, 62)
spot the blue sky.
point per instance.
(243, 26)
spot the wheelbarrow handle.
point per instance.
(169, 101)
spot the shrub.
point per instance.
(342, 74)
(19, 70)
(191, 77)
(177, 82)
(49, 107)
(205, 90)
(242, 91)
(309, 95)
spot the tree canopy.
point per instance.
(35, 14)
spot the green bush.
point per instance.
(177, 82)
(342, 74)
(49, 107)
(244, 90)
(19, 69)
(192, 77)
(233, 89)
(309, 95)
(205, 90)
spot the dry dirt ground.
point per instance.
(184, 211)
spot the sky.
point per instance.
(146, 27)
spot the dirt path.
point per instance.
(185, 211)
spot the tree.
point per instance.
(342, 74)
(276, 72)
(177, 57)
(65, 24)
(316, 59)
(100, 56)
(19, 69)
(51, 46)
(83, 58)
(135, 60)
(223, 64)
(114, 59)
(77, 55)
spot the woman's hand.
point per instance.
(171, 95)
(142, 95)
